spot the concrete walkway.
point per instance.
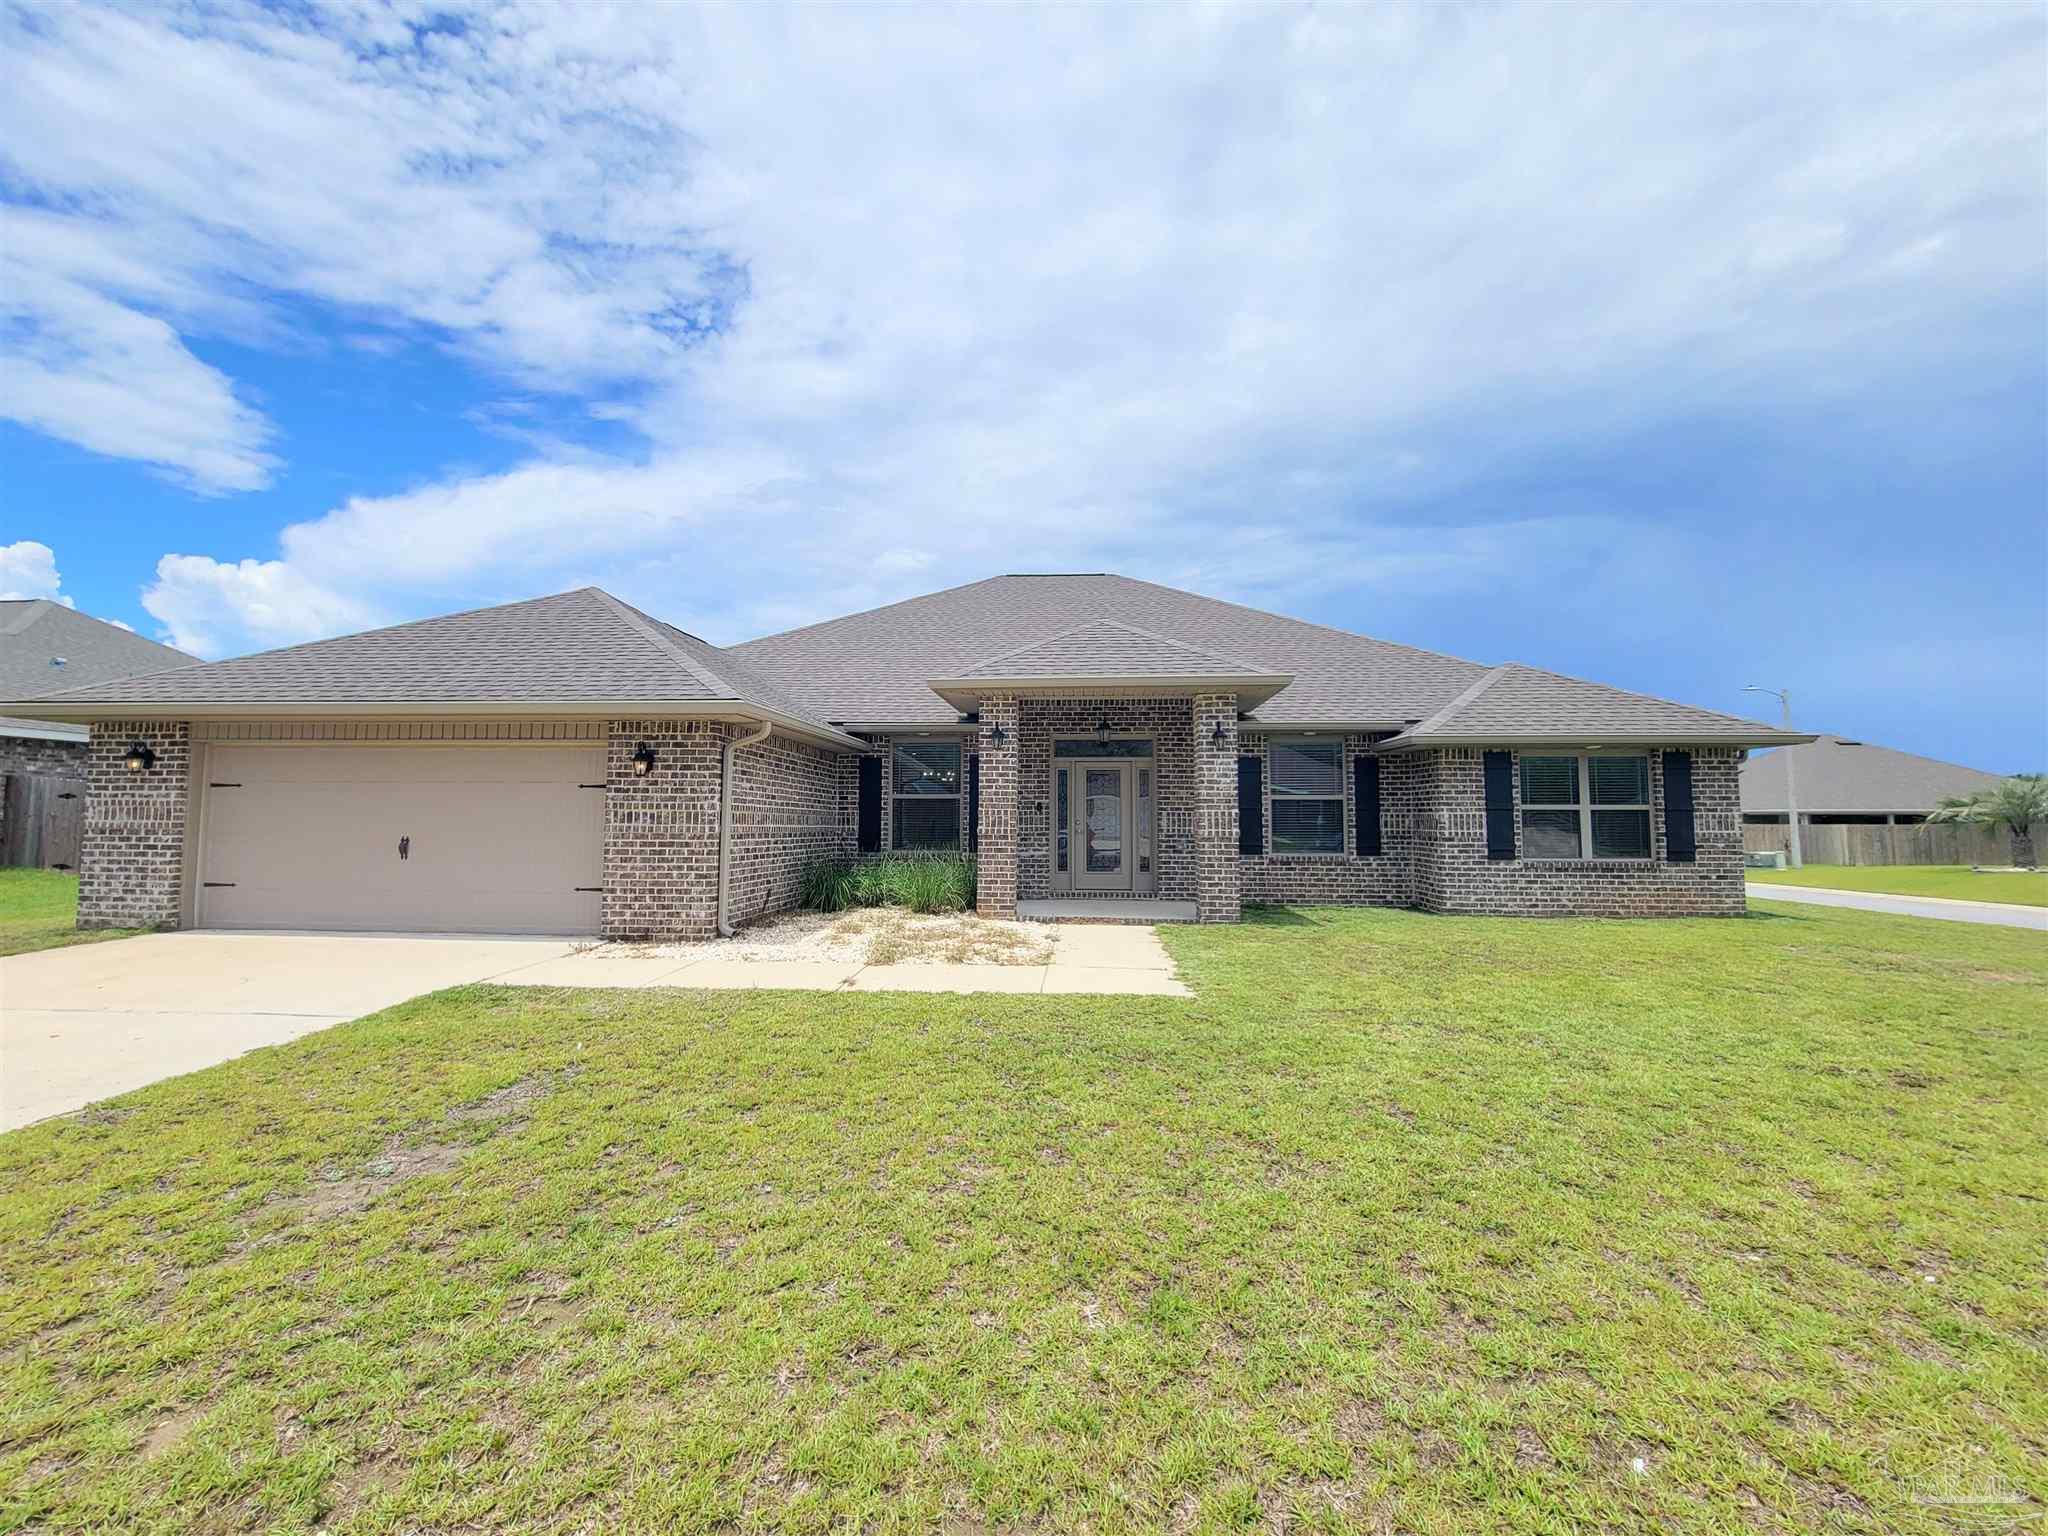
(1999, 913)
(87, 1022)
(1120, 958)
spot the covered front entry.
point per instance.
(373, 838)
(1102, 818)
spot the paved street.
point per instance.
(1997, 913)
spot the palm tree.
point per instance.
(2015, 804)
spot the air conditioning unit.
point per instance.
(1775, 859)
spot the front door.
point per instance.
(1101, 834)
(1102, 823)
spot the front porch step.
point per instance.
(1083, 909)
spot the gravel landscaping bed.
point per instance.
(869, 935)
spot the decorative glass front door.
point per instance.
(1102, 833)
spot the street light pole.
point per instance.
(1784, 698)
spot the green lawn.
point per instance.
(38, 908)
(1954, 881)
(1403, 1224)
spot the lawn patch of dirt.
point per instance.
(394, 1165)
(169, 1433)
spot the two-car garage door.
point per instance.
(483, 839)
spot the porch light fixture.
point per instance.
(643, 761)
(1217, 738)
(997, 735)
(1102, 730)
(139, 759)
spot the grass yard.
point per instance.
(38, 908)
(1953, 881)
(1404, 1224)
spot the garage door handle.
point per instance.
(405, 848)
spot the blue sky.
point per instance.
(1679, 348)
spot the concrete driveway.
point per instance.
(82, 1024)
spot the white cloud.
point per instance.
(209, 606)
(29, 570)
(911, 295)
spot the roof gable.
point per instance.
(1104, 647)
(875, 668)
(1514, 703)
(583, 648)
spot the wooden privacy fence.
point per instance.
(1943, 843)
(44, 821)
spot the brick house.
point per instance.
(46, 646)
(1101, 745)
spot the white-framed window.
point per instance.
(1308, 795)
(925, 795)
(1587, 805)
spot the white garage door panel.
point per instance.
(499, 839)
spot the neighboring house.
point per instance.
(573, 765)
(1840, 782)
(46, 646)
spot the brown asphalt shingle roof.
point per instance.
(1516, 703)
(34, 632)
(574, 647)
(588, 648)
(1837, 775)
(1105, 648)
(873, 668)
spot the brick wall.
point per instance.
(1046, 718)
(661, 831)
(1336, 879)
(132, 862)
(1453, 874)
(996, 869)
(1218, 879)
(792, 806)
(1433, 837)
(44, 759)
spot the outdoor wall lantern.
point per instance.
(139, 759)
(1217, 738)
(997, 735)
(1102, 730)
(643, 761)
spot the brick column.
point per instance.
(661, 830)
(996, 888)
(1218, 883)
(131, 865)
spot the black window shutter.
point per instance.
(1500, 805)
(1251, 805)
(870, 804)
(1365, 789)
(1681, 845)
(972, 832)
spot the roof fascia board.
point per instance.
(50, 730)
(434, 709)
(1576, 742)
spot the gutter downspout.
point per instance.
(760, 734)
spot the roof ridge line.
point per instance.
(1485, 681)
(35, 607)
(864, 613)
(1128, 628)
(645, 625)
(1637, 693)
(1267, 613)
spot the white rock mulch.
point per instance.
(868, 935)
